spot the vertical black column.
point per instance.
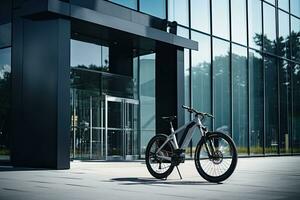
(121, 59)
(169, 85)
(41, 93)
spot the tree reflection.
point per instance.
(5, 89)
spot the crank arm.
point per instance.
(164, 157)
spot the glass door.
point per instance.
(130, 129)
(87, 127)
(121, 128)
(114, 128)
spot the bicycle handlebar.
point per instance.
(192, 110)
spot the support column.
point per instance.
(41, 93)
(169, 85)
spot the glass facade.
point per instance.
(220, 18)
(246, 71)
(5, 88)
(222, 87)
(240, 111)
(156, 8)
(179, 11)
(127, 3)
(256, 102)
(112, 110)
(255, 24)
(200, 20)
(238, 21)
(269, 38)
(201, 78)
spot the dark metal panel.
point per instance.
(63, 95)
(5, 11)
(180, 87)
(16, 98)
(165, 85)
(121, 59)
(115, 10)
(133, 28)
(108, 15)
(41, 93)
(60, 7)
(27, 7)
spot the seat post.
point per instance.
(172, 129)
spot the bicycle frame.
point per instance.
(189, 129)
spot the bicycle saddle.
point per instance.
(169, 118)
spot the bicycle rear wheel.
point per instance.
(158, 167)
(223, 162)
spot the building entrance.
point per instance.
(112, 101)
(103, 127)
(121, 128)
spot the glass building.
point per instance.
(120, 65)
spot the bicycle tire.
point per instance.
(229, 171)
(167, 148)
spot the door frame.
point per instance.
(122, 101)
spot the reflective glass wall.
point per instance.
(112, 112)
(246, 71)
(5, 90)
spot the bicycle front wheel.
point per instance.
(156, 164)
(222, 162)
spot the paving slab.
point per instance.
(255, 178)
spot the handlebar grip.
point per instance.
(210, 115)
(185, 107)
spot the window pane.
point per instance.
(285, 106)
(220, 15)
(238, 21)
(256, 101)
(295, 38)
(127, 3)
(283, 40)
(271, 102)
(201, 73)
(240, 98)
(147, 99)
(156, 8)
(255, 24)
(5, 35)
(178, 11)
(284, 4)
(296, 107)
(5, 89)
(187, 81)
(221, 78)
(96, 57)
(200, 15)
(269, 29)
(183, 32)
(201, 78)
(295, 7)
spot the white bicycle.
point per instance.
(215, 154)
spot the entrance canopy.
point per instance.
(108, 15)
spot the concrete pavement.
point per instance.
(255, 178)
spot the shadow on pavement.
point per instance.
(152, 181)
(15, 169)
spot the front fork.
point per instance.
(209, 147)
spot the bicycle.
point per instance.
(215, 154)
